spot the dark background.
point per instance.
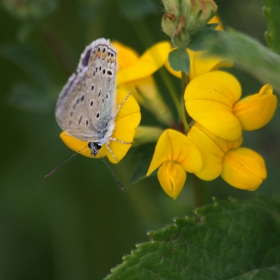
(77, 224)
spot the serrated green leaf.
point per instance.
(198, 43)
(179, 60)
(272, 14)
(226, 240)
(247, 54)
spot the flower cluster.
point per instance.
(211, 147)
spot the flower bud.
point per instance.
(184, 19)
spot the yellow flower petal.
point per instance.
(255, 111)
(175, 146)
(201, 64)
(127, 119)
(78, 145)
(126, 56)
(172, 178)
(243, 169)
(146, 65)
(212, 150)
(216, 19)
(209, 99)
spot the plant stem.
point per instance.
(165, 77)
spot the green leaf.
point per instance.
(179, 60)
(247, 54)
(225, 240)
(198, 43)
(272, 14)
(142, 156)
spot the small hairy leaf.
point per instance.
(179, 60)
(225, 240)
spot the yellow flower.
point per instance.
(176, 155)
(135, 76)
(256, 110)
(126, 121)
(212, 149)
(211, 100)
(243, 169)
(240, 167)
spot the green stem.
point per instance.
(145, 36)
(185, 81)
(165, 77)
(200, 194)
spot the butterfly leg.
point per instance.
(111, 152)
(120, 141)
(120, 105)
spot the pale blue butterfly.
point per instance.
(86, 104)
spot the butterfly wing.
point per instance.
(86, 105)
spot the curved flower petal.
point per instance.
(212, 150)
(175, 146)
(243, 169)
(172, 178)
(201, 64)
(127, 119)
(216, 19)
(126, 55)
(146, 65)
(209, 99)
(79, 146)
(255, 111)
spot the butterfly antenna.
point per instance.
(117, 181)
(48, 175)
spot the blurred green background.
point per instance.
(77, 224)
